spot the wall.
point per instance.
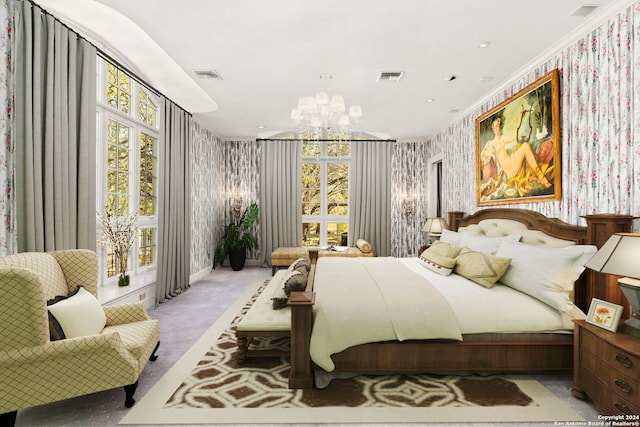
(600, 110)
(408, 201)
(207, 212)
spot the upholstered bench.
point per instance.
(350, 252)
(284, 256)
(261, 320)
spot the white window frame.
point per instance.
(324, 218)
(140, 276)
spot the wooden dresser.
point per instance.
(607, 369)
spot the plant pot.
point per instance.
(237, 257)
(123, 280)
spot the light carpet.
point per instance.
(206, 386)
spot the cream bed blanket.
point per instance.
(362, 300)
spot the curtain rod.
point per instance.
(108, 57)
(326, 140)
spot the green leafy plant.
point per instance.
(237, 234)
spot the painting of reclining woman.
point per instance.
(518, 147)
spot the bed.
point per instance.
(470, 345)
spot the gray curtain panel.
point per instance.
(370, 195)
(280, 196)
(55, 135)
(174, 205)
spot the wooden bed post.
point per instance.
(301, 304)
(604, 286)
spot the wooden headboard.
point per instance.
(598, 229)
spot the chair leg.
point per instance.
(153, 356)
(8, 419)
(129, 391)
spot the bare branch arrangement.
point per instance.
(119, 233)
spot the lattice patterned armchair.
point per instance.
(36, 365)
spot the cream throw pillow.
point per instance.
(363, 245)
(480, 267)
(444, 249)
(79, 315)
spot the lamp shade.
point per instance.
(434, 226)
(620, 255)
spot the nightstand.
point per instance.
(606, 368)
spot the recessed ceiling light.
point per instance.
(430, 100)
(484, 45)
(450, 78)
(260, 126)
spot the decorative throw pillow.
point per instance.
(443, 249)
(547, 274)
(437, 263)
(363, 245)
(480, 267)
(55, 330)
(293, 281)
(79, 315)
(488, 245)
(303, 265)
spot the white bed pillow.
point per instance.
(488, 245)
(454, 237)
(79, 315)
(547, 274)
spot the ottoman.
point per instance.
(284, 257)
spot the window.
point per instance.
(325, 192)
(128, 129)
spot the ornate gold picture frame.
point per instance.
(518, 146)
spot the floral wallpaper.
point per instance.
(225, 174)
(207, 183)
(241, 168)
(409, 209)
(600, 119)
(8, 236)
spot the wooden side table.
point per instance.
(607, 369)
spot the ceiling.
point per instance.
(270, 53)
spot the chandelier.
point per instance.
(324, 112)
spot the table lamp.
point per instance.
(434, 226)
(620, 255)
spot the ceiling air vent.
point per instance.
(208, 74)
(390, 76)
(583, 10)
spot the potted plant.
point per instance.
(237, 239)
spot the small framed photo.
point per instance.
(604, 314)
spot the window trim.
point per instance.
(324, 218)
(146, 274)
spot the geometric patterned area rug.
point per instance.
(207, 386)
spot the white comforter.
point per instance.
(403, 305)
